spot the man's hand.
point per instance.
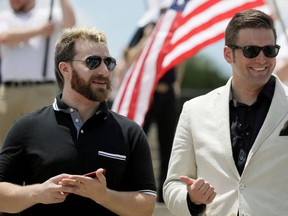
(200, 191)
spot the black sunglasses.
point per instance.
(92, 62)
(269, 51)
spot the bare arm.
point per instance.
(16, 36)
(129, 203)
(180, 71)
(133, 52)
(68, 19)
(122, 203)
(16, 198)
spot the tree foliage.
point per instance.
(201, 73)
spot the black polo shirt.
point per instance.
(48, 142)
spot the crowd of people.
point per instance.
(64, 151)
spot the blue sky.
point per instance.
(118, 19)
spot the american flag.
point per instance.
(185, 28)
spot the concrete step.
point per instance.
(161, 210)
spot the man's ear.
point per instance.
(228, 54)
(64, 68)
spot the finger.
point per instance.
(204, 188)
(208, 193)
(100, 173)
(58, 178)
(63, 194)
(186, 180)
(60, 194)
(211, 197)
(69, 181)
(199, 182)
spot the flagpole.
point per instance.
(46, 51)
(282, 24)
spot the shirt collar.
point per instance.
(59, 105)
(267, 91)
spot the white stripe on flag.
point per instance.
(180, 36)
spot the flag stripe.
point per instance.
(179, 34)
(149, 78)
(208, 28)
(135, 94)
(123, 106)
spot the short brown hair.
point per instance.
(248, 19)
(65, 46)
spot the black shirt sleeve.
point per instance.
(194, 209)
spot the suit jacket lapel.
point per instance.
(278, 110)
(223, 122)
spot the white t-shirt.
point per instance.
(25, 61)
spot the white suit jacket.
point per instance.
(202, 148)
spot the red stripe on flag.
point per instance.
(170, 45)
(221, 17)
(193, 51)
(166, 46)
(135, 94)
(125, 89)
(135, 98)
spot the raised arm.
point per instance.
(68, 19)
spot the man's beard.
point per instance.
(84, 88)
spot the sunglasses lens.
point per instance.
(271, 51)
(251, 51)
(93, 62)
(110, 63)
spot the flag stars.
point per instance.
(179, 5)
(178, 35)
(180, 2)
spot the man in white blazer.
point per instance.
(230, 150)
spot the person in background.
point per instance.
(164, 113)
(119, 73)
(163, 109)
(51, 149)
(24, 32)
(229, 154)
